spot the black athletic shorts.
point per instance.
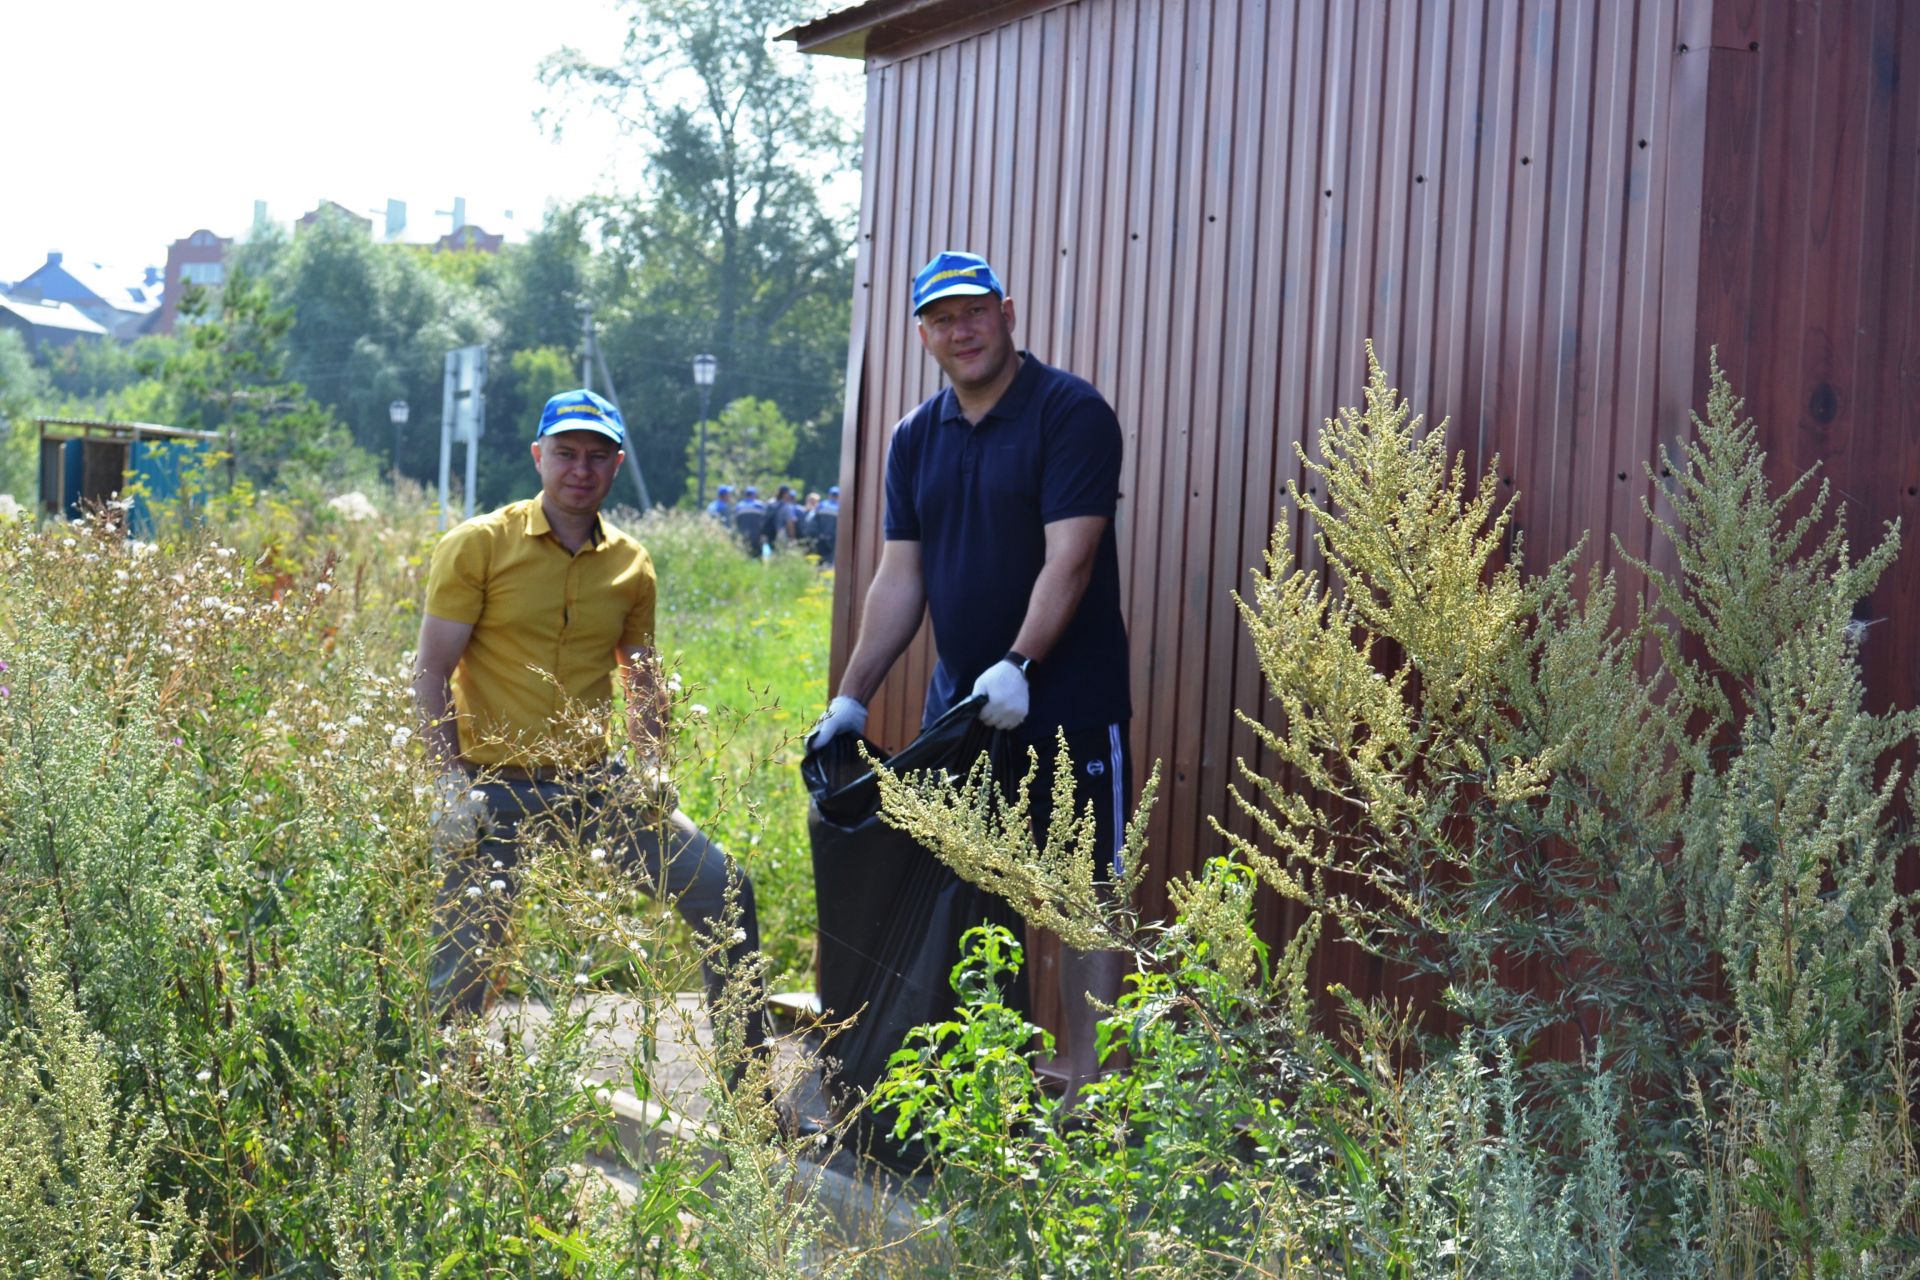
(1102, 777)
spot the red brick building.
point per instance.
(197, 259)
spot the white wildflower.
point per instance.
(498, 886)
(473, 891)
(354, 506)
(203, 1076)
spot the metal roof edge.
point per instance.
(88, 426)
(881, 27)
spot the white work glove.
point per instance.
(843, 715)
(1006, 690)
(458, 808)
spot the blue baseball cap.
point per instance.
(833, 491)
(751, 492)
(952, 273)
(582, 410)
(725, 488)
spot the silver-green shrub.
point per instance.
(1666, 834)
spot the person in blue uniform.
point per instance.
(826, 526)
(1001, 492)
(749, 517)
(721, 508)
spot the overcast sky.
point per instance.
(130, 124)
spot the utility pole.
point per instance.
(590, 359)
(463, 416)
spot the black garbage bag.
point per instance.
(891, 914)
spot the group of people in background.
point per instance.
(812, 524)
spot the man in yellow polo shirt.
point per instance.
(530, 610)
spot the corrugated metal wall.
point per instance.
(1206, 208)
(1811, 278)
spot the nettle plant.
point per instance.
(1671, 843)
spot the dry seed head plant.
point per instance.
(1659, 897)
(213, 846)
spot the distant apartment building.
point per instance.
(199, 259)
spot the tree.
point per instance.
(732, 249)
(372, 324)
(749, 443)
(22, 387)
(544, 283)
(228, 374)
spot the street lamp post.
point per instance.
(704, 367)
(397, 415)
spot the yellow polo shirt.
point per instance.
(546, 625)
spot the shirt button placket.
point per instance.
(566, 625)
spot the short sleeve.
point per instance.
(457, 576)
(903, 511)
(1082, 469)
(638, 632)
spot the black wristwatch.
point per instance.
(1021, 663)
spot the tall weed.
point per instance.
(1686, 869)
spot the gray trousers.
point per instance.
(672, 858)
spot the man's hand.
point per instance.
(843, 715)
(1006, 691)
(458, 809)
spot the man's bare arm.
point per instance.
(896, 602)
(1071, 546)
(442, 641)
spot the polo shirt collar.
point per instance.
(1012, 402)
(538, 527)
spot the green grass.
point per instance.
(748, 640)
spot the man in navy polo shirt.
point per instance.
(1001, 492)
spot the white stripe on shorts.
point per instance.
(1115, 763)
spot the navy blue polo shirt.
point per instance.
(977, 497)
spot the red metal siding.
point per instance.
(1206, 208)
(1812, 244)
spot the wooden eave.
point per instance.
(881, 30)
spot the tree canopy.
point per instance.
(732, 247)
